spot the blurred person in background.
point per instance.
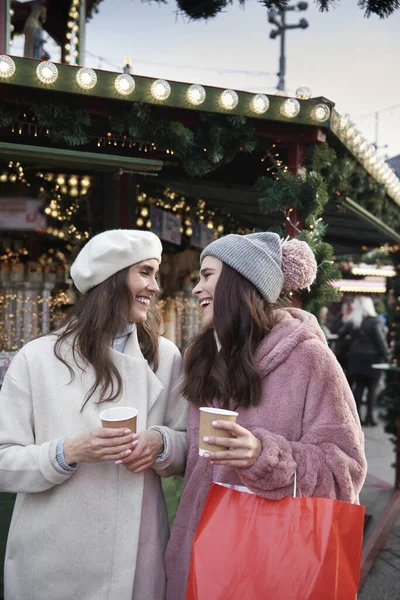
(368, 346)
(342, 345)
(323, 321)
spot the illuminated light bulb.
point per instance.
(196, 94)
(85, 182)
(47, 210)
(124, 84)
(139, 222)
(76, 41)
(290, 108)
(74, 192)
(60, 180)
(350, 132)
(303, 93)
(47, 72)
(344, 122)
(160, 89)
(75, 27)
(189, 231)
(67, 59)
(64, 189)
(363, 147)
(228, 99)
(75, 54)
(7, 66)
(144, 212)
(220, 228)
(70, 24)
(259, 104)
(68, 35)
(67, 47)
(372, 161)
(369, 152)
(320, 113)
(86, 78)
(148, 224)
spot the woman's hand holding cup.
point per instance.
(240, 450)
(100, 445)
(148, 445)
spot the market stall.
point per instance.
(87, 150)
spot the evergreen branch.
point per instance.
(8, 115)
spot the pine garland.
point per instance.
(215, 142)
(205, 9)
(321, 292)
(346, 177)
(92, 7)
(208, 9)
(308, 195)
(212, 144)
(8, 115)
(390, 397)
(64, 122)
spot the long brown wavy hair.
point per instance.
(242, 318)
(91, 326)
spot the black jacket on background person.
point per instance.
(367, 347)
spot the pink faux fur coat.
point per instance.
(307, 422)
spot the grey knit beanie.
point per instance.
(256, 256)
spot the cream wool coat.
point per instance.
(74, 535)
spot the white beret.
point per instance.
(110, 252)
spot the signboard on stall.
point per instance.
(166, 225)
(202, 235)
(19, 213)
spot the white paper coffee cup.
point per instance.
(206, 429)
(119, 417)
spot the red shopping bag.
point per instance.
(250, 548)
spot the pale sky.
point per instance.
(343, 56)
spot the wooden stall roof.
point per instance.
(231, 186)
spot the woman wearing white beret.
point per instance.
(90, 520)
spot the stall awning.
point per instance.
(42, 158)
(349, 225)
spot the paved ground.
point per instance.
(383, 581)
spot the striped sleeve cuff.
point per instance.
(61, 458)
(160, 457)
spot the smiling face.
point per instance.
(204, 291)
(142, 281)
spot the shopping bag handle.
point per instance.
(242, 488)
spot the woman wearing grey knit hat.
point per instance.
(296, 413)
(90, 520)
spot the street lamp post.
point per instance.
(278, 18)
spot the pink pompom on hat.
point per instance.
(298, 265)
